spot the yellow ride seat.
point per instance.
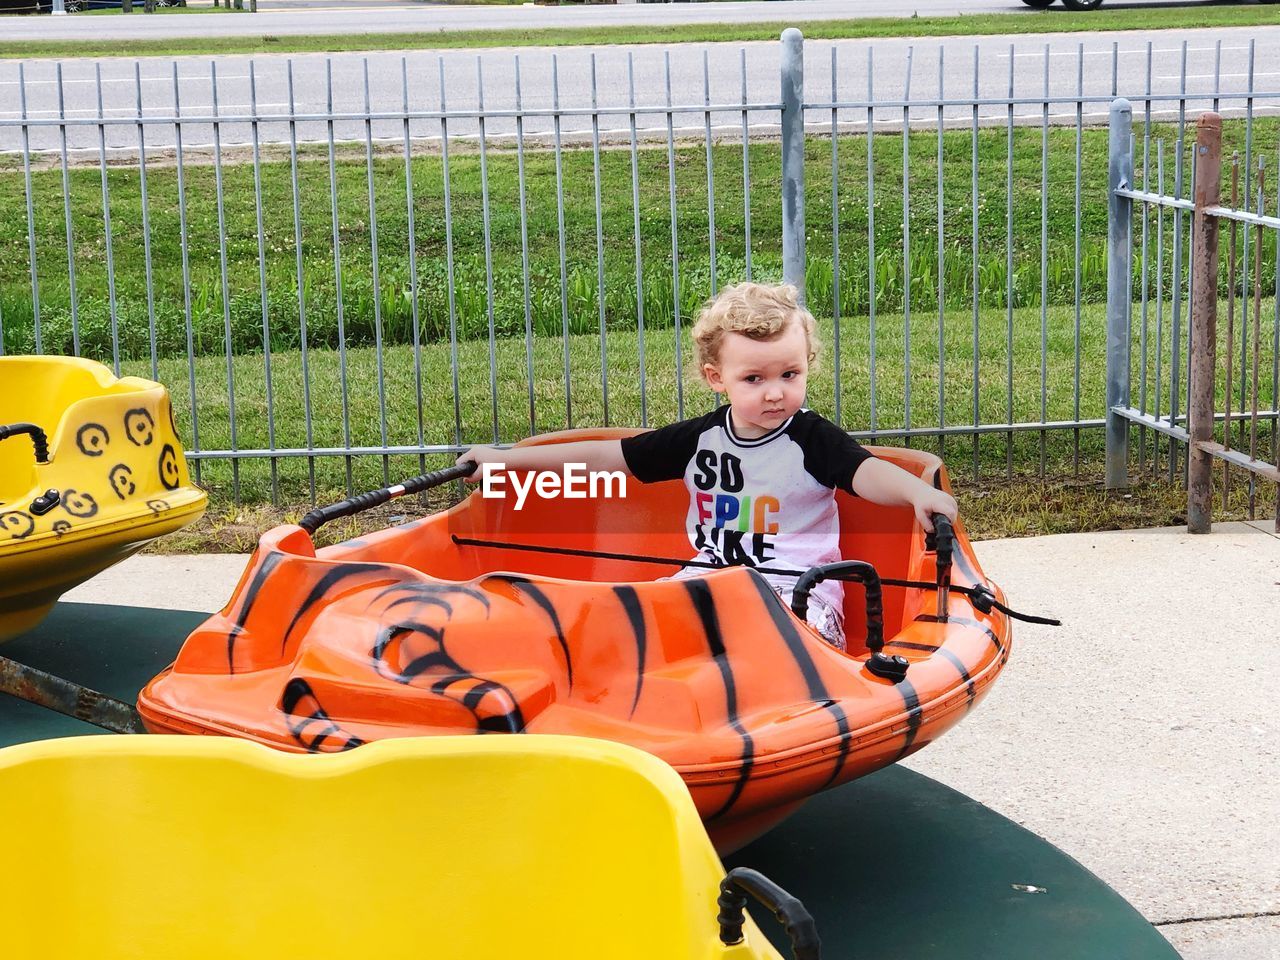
(209, 848)
(115, 463)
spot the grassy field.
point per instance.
(1050, 21)
(1008, 508)
(390, 303)
(995, 455)
(994, 502)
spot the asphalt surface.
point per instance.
(691, 76)
(1140, 737)
(279, 17)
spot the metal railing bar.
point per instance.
(477, 113)
(599, 208)
(1225, 213)
(560, 238)
(635, 207)
(1044, 261)
(1146, 290)
(301, 287)
(1155, 449)
(66, 210)
(376, 277)
(524, 256)
(127, 117)
(488, 253)
(1248, 192)
(414, 293)
(675, 247)
(1217, 74)
(1008, 266)
(941, 292)
(871, 230)
(454, 374)
(337, 276)
(721, 132)
(185, 245)
(262, 291)
(31, 217)
(1175, 331)
(1275, 338)
(711, 176)
(146, 230)
(746, 171)
(973, 214)
(906, 245)
(1182, 96)
(1075, 333)
(224, 277)
(835, 229)
(106, 231)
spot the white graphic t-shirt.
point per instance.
(765, 502)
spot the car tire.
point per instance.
(1041, 4)
(1082, 4)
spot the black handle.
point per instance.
(374, 498)
(857, 571)
(790, 912)
(38, 438)
(942, 541)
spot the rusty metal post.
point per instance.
(1204, 321)
(55, 693)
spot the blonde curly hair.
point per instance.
(756, 310)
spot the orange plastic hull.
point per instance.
(408, 633)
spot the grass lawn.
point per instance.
(1049, 21)
(1007, 508)
(1060, 501)
(391, 302)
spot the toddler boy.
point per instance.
(761, 470)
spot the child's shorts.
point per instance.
(828, 621)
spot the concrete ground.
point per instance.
(1141, 737)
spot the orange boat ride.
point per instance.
(554, 618)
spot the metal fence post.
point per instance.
(1119, 289)
(793, 159)
(1204, 321)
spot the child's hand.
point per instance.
(930, 501)
(481, 456)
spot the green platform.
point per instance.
(892, 866)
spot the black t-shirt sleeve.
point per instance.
(831, 456)
(663, 454)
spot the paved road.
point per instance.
(300, 17)
(1098, 64)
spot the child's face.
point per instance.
(764, 380)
